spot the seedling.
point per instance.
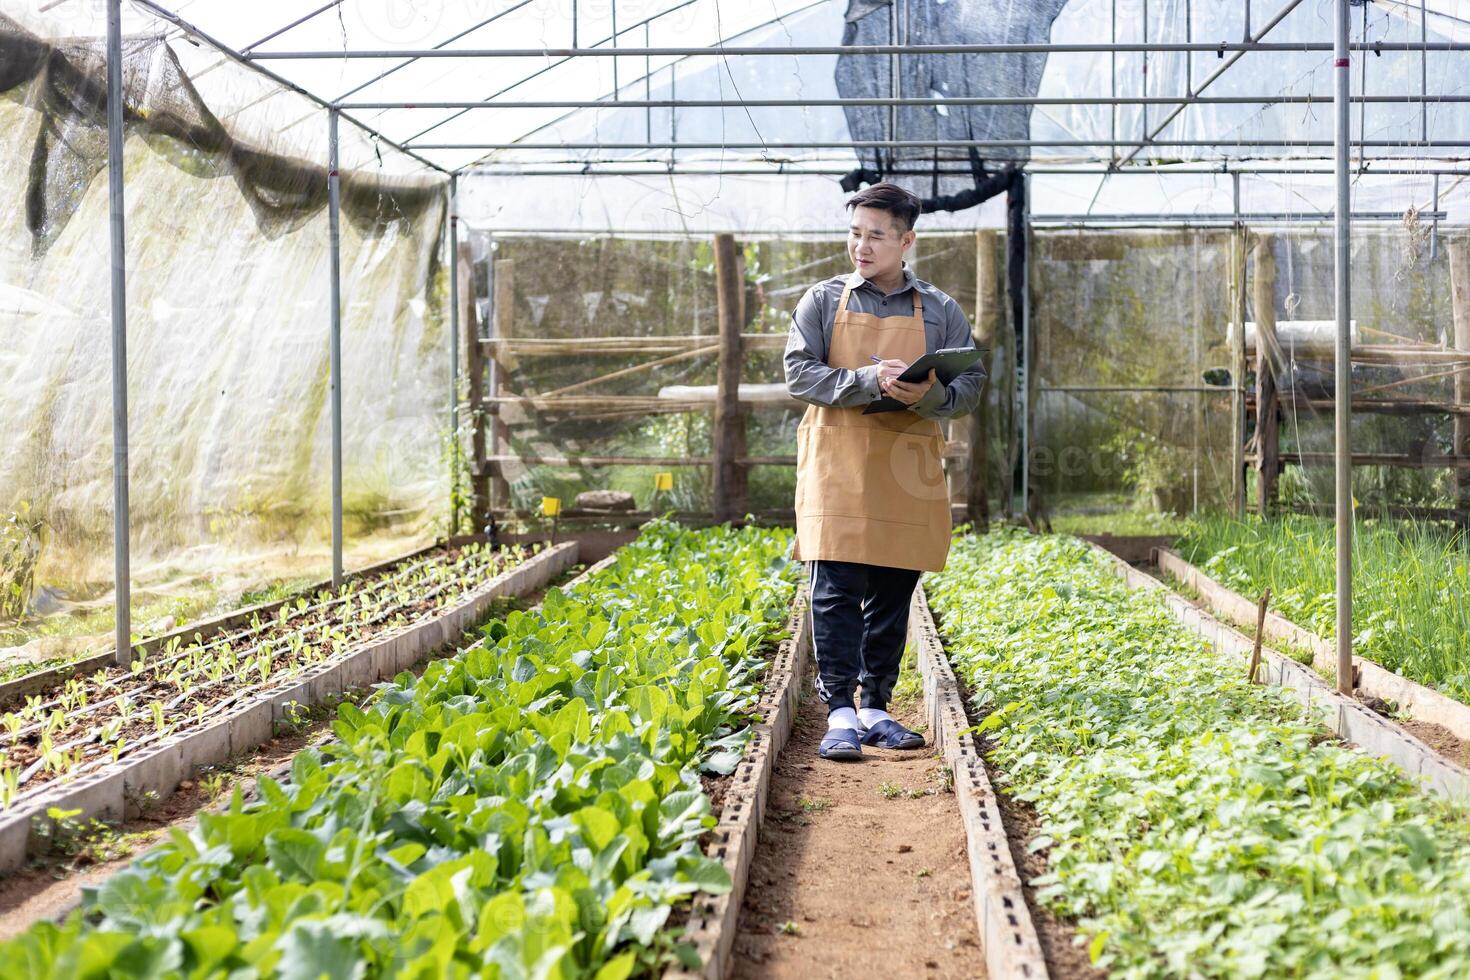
(789, 928)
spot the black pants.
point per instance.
(860, 618)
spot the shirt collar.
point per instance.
(856, 279)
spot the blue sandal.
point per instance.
(891, 735)
(842, 745)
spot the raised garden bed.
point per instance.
(356, 639)
(532, 802)
(1408, 697)
(1193, 823)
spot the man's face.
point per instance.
(875, 243)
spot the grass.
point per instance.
(1409, 584)
(1122, 523)
(814, 804)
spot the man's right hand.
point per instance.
(889, 370)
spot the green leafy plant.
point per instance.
(532, 805)
(1193, 824)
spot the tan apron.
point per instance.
(871, 488)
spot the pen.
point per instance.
(875, 359)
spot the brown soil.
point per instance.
(51, 886)
(847, 882)
(212, 697)
(1438, 738)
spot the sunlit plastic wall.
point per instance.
(227, 289)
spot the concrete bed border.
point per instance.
(1007, 932)
(110, 793)
(1417, 701)
(713, 920)
(1349, 719)
(34, 681)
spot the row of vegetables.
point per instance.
(1193, 824)
(79, 724)
(529, 807)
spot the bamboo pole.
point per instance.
(730, 487)
(617, 346)
(635, 369)
(647, 460)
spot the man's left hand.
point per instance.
(907, 392)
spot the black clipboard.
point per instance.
(947, 364)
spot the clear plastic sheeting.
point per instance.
(227, 288)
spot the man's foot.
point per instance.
(889, 734)
(868, 717)
(841, 745)
(843, 741)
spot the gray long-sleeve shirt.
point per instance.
(809, 379)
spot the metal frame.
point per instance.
(1342, 363)
(1341, 47)
(453, 260)
(334, 339)
(121, 553)
(967, 100)
(1157, 47)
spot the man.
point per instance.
(872, 508)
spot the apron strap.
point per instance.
(847, 288)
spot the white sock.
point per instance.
(871, 716)
(842, 718)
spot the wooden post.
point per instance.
(1237, 372)
(730, 497)
(1459, 256)
(1260, 629)
(493, 490)
(1268, 367)
(989, 311)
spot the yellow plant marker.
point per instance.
(663, 481)
(551, 506)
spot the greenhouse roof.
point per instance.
(738, 115)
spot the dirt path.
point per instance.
(861, 868)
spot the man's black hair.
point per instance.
(885, 196)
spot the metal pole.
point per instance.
(285, 83)
(453, 355)
(1237, 356)
(893, 92)
(1028, 349)
(660, 168)
(1404, 98)
(1342, 368)
(954, 144)
(1156, 47)
(294, 24)
(121, 577)
(334, 205)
